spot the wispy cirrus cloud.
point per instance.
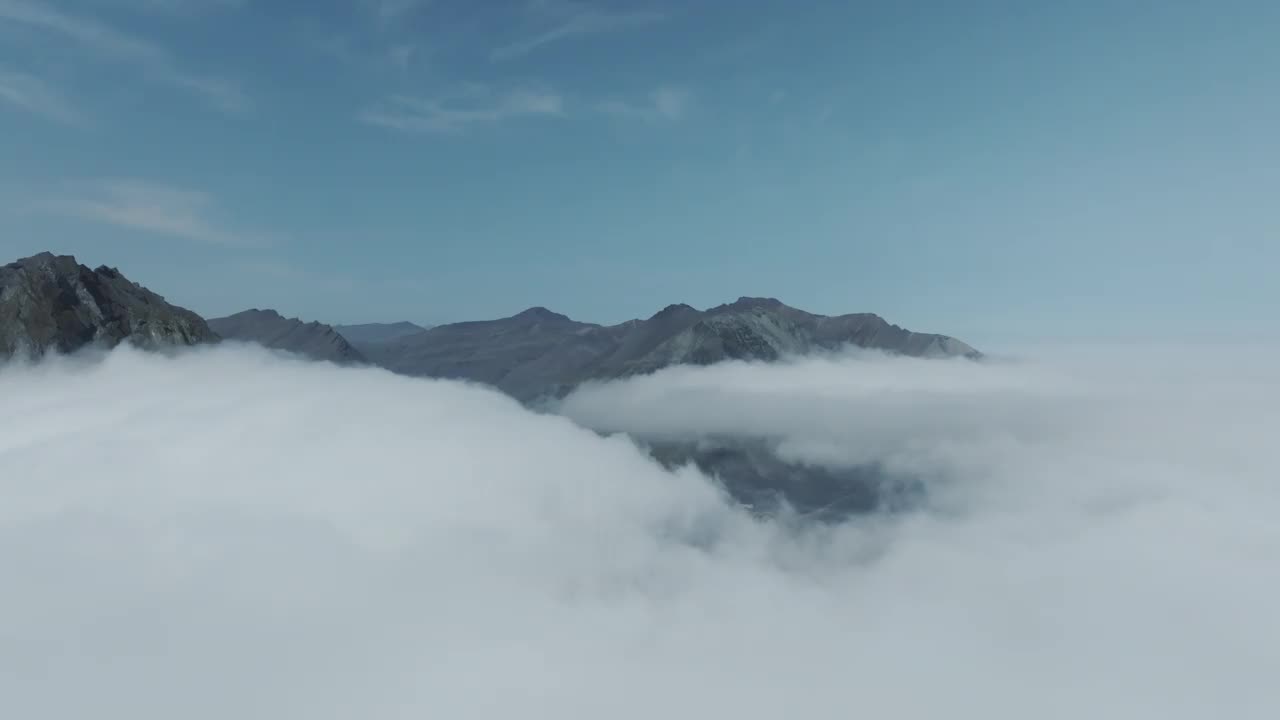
(156, 209)
(562, 19)
(666, 104)
(34, 95)
(223, 95)
(85, 31)
(188, 8)
(110, 43)
(366, 53)
(476, 106)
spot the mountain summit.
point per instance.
(52, 303)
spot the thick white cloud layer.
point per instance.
(229, 534)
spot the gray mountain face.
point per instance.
(522, 354)
(752, 473)
(539, 354)
(378, 332)
(270, 329)
(53, 303)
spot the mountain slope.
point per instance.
(270, 329)
(50, 302)
(486, 351)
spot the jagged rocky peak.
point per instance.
(748, 304)
(53, 303)
(269, 328)
(674, 310)
(764, 302)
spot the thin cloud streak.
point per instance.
(34, 95)
(429, 115)
(157, 209)
(222, 95)
(176, 8)
(82, 30)
(123, 47)
(574, 20)
(662, 104)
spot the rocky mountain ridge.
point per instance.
(539, 353)
(270, 329)
(51, 303)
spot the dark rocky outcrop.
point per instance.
(268, 328)
(52, 303)
(752, 473)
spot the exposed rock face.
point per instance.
(53, 303)
(377, 332)
(761, 329)
(753, 474)
(270, 329)
(540, 354)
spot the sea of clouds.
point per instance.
(228, 533)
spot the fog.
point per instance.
(228, 533)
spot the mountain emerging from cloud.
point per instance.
(53, 303)
(533, 356)
(538, 357)
(278, 537)
(269, 329)
(540, 354)
(236, 533)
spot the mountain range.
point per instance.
(540, 354)
(53, 303)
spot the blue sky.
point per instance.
(994, 170)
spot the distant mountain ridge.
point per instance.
(270, 329)
(540, 353)
(53, 303)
